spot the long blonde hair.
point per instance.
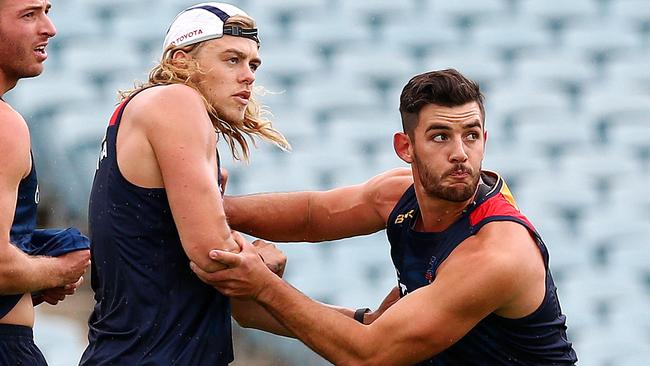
(255, 122)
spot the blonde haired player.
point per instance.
(156, 199)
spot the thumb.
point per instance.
(226, 258)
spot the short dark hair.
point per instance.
(447, 88)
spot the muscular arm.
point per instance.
(250, 314)
(184, 143)
(318, 216)
(506, 277)
(20, 273)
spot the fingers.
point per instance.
(53, 299)
(73, 266)
(225, 258)
(198, 271)
(213, 279)
(70, 288)
(238, 237)
(37, 300)
(259, 244)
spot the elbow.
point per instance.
(365, 354)
(205, 263)
(200, 255)
(199, 252)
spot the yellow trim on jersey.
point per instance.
(505, 191)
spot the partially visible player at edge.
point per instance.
(473, 271)
(24, 265)
(156, 199)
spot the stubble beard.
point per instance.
(18, 63)
(434, 189)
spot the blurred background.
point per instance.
(567, 87)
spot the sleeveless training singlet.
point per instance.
(151, 309)
(537, 339)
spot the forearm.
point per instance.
(250, 314)
(280, 217)
(329, 331)
(197, 245)
(305, 216)
(20, 273)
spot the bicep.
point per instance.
(186, 156)
(341, 213)
(359, 209)
(189, 177)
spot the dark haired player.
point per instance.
(473, 271)
(48, 261)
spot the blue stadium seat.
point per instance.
(558, 10)
(602, 39)
(567, 87)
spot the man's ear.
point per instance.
(180, 55)
(402, 145)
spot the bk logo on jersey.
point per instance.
(400, 218)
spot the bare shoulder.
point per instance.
(397, 180)
(160, 104)
(508, 237)
(385, 189)
(12, 122)
(503, 250)
(14, 139)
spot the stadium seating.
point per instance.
(568, 104)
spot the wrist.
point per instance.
(49, 273)
(268, 288)
(360, 315)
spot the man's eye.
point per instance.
(473, 136)
(439, 138)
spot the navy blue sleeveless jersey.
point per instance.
(537, 339)
(151, 309)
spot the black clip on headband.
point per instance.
(250, 33)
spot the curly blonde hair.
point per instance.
(255, 122)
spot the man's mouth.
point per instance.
(40, 50)
(459, 172)
(243, 97)
(244, 94)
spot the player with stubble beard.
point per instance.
(474, 275)
(36, 265)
